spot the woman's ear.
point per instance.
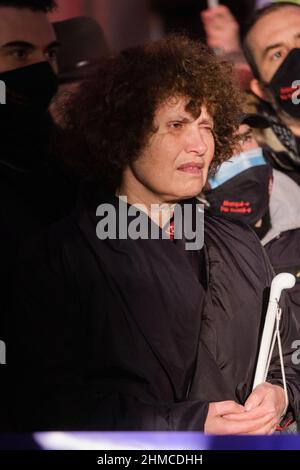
(258, 89)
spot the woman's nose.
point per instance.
(196, 142)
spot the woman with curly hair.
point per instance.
(116, 329)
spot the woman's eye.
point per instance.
(176, 125)
(207, 128)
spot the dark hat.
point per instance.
(83, 45)
(254, 120)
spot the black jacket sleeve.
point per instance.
(290, 336)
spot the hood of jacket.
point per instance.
(284, 206)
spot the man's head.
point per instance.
(272, 34)
(26, 35)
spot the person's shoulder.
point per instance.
(228, 228)
(235, 243)
(284, 250)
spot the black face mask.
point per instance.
(26, 124)
(30, 88)
(244, 197)
(281, 84)
(265, 226)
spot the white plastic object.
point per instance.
(280, 282)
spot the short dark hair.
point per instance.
(266, 10)
(114, 111)
(34, 5)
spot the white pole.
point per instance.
(280, 282)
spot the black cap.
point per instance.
(83, 45)
(255, 120)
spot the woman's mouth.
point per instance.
(191, 168)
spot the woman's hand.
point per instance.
(262, 411)
(216, 423)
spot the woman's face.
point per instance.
(175, 163)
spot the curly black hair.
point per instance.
(113, 112)
(34, 5)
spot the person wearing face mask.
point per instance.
(240, 188)
(248, 189)
(34, 191)
(272, 49)
(33, 188)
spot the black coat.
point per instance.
(125, 335)
(35, 191)
(284, 254)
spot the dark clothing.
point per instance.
(282, 241)
(34, 192)
(281, 147)
(122, 335)
(284, 251)
(284, 254)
